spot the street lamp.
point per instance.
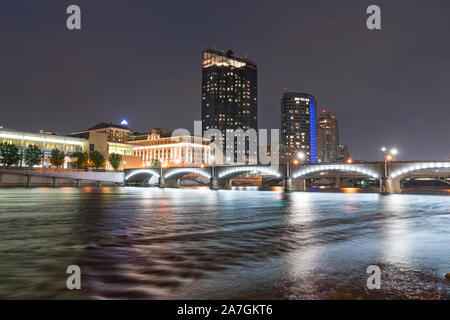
(384, 150)
(394, 152)
(213, 161)
(124, 165)
(164, 165)
(301, 155)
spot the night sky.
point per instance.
(141, 60)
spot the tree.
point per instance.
(155, 163)
(9, 154)
(116, 160)
(79, 159)
(57, 158)
(33, 155)
(97, 159)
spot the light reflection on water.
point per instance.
(151, 243)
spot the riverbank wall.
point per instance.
(52, 178)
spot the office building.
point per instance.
(327, 137)
(298, 126)
(343, 153)
(229, 96)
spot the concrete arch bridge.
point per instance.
(391, 175)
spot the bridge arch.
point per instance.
(179, 172)
(338, 167)
(151, 172)
(419, 167)
(234, 172)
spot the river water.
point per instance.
(150, 243)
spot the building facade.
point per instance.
(92, 141)
(343, 153)
(46, 142)
(229, 95)
(108, 138)
(298, 125)
(174, 151)
(327, 137)
(114, 132)
(155, 134)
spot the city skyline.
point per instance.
(224, 159)
(65, 81)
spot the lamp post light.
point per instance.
(384, 151)
(213, 177)
(213, 161)
(124, 165)
(385, 156)
(163, 165)
(297, 160)
(301, 156)
(394, 152)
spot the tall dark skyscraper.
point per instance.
(229, 92)
(327, 137)
(298, 125)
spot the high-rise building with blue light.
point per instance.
(298, 125)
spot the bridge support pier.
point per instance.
(214, 184)
(77, 183)
(99, 184)
(54, 182)
(161, 182)
(385, 185)
(287, 183)
(297, 184)
(389, 185)
(28, 180)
